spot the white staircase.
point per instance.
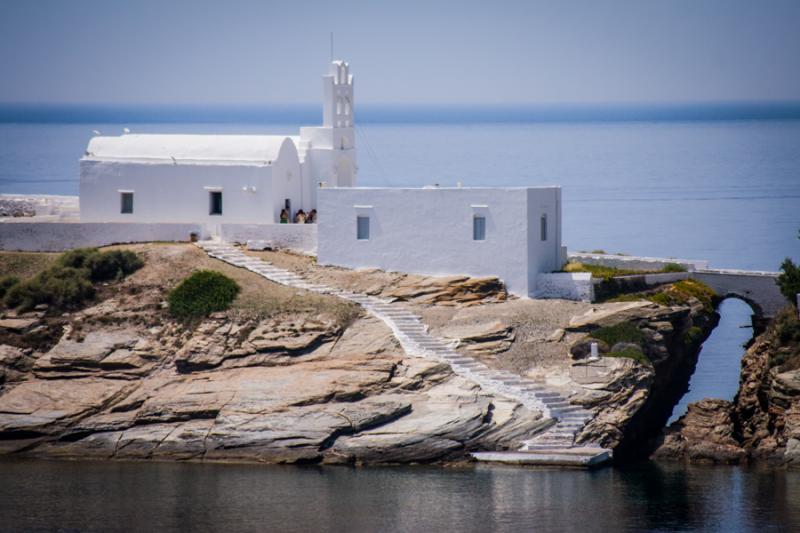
(416, 341)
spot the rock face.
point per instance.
(16, 207)
(448, 290)
(762, 424)
(632, 401)
(482, 339)
(277, 390)
(705, 434)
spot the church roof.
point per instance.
(197, 149)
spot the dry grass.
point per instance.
(25, 265)
(167, 264)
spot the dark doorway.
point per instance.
(215, 203)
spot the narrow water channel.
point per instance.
(719, 363)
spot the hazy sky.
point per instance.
(402, 51)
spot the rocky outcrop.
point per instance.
(705, 434)
(633, 399)
(278, 390)
(481, 339)
(447, 290)
(16, 207)
(762, 424)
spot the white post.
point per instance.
(595, 354)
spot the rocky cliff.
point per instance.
(283, 377)
(286, 376)
(762, 424)
(633, 396)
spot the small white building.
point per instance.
(512, 233)
(219, 179)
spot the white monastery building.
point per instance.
(220, 179)
(237, 185)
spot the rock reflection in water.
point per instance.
(36, 495)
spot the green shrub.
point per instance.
(77, 258)
(599, 271)
(789, 280)
(60, 286)
(68, 282)
(115, 264)
(102, 266)
(201, 294)
(6, 282)
(673, 267)
(630, 353)
(692, 336)
(785, 334)
(622, 332)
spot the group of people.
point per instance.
(300, 217)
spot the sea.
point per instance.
(700, 183)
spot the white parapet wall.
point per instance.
(62, 236)
(566, 286)
(631, 262)
(297, 237)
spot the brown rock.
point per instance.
(703, 435)
(17, 325)
(447, 290)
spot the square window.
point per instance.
(362, 228)
(215, 203)
(126, 203)
(479, 228)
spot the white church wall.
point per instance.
(175, 193)
(62, 236)
(298, 237)
(544, 251)
(287, 183)
(430, 231)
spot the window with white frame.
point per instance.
(362, 228)
(126, 203)
(478, 228)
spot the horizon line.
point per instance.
(26, 112)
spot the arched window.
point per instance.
(339, 106)
(347, 107)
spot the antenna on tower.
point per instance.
(331, 46)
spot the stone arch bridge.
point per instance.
(758, 289)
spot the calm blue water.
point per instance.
(718, 365)
(148, 497)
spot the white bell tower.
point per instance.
(328, 152)
(337, 109)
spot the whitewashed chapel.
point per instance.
(221, 178)
(224, 182)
